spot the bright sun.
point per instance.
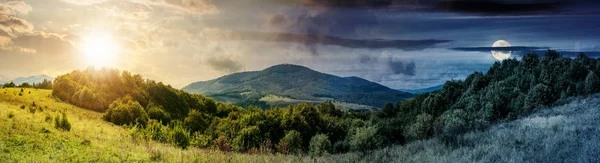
(100, 50)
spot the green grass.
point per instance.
(31, 137)
(566, 133)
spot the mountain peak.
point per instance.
(287, 68)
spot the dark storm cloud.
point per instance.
(488, 49)
(224, 64)
(491, 7)
(405, 67)
(313, 39)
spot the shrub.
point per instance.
(538, 96)
(421, 129)
(592, 83)
(180, 137)
(157, 132)
(22, 106)
(196, 121)
(319, 145)
(291, 142)
(451, 124)
(266, 147)
(11, 114)
(61, 122)
(364, 138)
(200, 140)
(125, 111)
(157, 113)
(32, 109)
(341, 146)
(223, 144)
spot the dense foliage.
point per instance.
(509, 89)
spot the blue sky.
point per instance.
(401, 44)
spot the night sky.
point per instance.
(402, 44)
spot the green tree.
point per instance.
(592, 83)
(319, 145)
(364, 139)
(125, 111)
(291, 142)
(537, 97)
(422, 127)
(196, 121)
(180, 137)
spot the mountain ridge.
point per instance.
(295, 82)
(29, 79)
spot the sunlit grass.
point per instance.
(29, 137)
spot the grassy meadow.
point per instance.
(30, 136)
(565, 133)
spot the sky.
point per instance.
(402, 44)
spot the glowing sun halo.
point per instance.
(100, 50)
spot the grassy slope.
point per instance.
(567, 133)
(22, 139)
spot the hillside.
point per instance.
(296, 83)
(30, 136)
(423, 90)
(30, 80)
(564, 133)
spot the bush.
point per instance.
(319, 145)
(124, 111)
(11, 114)
(266, 147)
(157, 132)
(223, 144)
(451, 124)
(61, 122)
(341, 147)
(421, 129)
(180, 137)
(592, 83)
(538, 96)
(157, 113)
(291, 143)
(201, 141)
(196, 121)
(364, 139)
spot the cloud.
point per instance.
(18, 35)
(406, 67)
(189, 6)
(85, 2)
(488, 49)
(14, 7)
(223, 64)
(313, 39)
(490, 7)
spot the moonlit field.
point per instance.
(299, 80)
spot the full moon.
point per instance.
(100, 50)
(501, 55)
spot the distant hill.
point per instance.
(30, 80)
(422, 90)
(295, 83)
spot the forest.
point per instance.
(152, 110)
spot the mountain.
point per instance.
(293, 83)
(422, 90)
(30, 80)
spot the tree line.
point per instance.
(45, 84)
(508, 90)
